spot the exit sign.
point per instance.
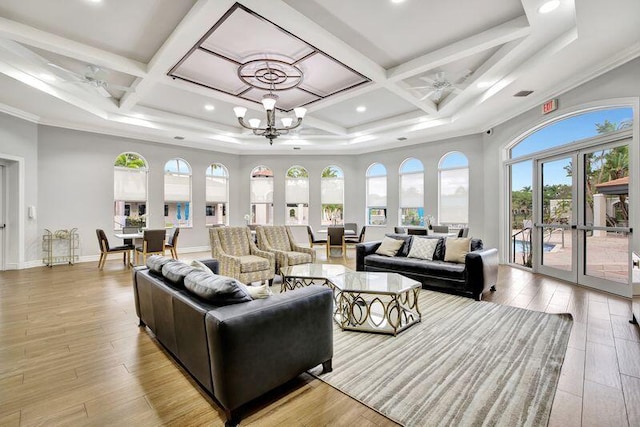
(549, 106)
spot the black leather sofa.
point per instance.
(478, 274)
(237, 352)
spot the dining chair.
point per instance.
(335, 238)
(172, 244)
(353, 240)
(313, 240)
(463, 232)
(106, 249)
(440, 228)
(152, 243)
(351, 227)
(417, 231)
(129, 242)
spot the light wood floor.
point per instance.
(71, 354)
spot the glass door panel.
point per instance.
(555, 231)
(521, 213)
(604, 220)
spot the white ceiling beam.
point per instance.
(193, 123)
(406, 119)
(193, 26)
(493, 69)
(546, 52)
(96, 105)
(62, 46)
(401, 89)
(343, 96)
(511, 30)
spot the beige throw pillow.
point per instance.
(456, 249)
(422, 248)
(389, 246)
(198, 265)
(259, 292)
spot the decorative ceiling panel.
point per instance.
(248, 56)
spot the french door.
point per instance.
(582, 231)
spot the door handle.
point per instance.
(3, 226)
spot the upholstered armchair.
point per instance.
(239, 257)
(279, 241)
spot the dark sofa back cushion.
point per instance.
(476, 245)
(404, 249)
(175, 272)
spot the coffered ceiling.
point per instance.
(368, 71)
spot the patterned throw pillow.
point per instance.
(198, 265)
(423, 248)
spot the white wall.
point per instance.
(19, 149)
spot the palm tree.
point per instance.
(129, 160)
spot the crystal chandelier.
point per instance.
(268, 77)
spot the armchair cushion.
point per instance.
(251, 263)
(220, 290)
(296, 258)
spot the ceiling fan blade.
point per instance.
(420, 87)
(67, 73)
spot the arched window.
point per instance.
(411, 192)
(297, 196)
(453, 192)
(217, 195)
(332, 196)
(261, 196)
(377, 194)
(177, 193)
(129, 191)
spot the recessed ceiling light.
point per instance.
(94, 1)
(549, 6)
(397, 1)
(484, 85)
(209, 107)
(361, 109)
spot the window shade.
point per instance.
(216, 190)
(297, 190)
(130, 185)
(177, 188)
(261, 190)
(377, 191)
(332, 191)
(412, 190)
(454, 196)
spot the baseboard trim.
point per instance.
(94, 258)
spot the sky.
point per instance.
(557, 134)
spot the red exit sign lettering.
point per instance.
(549, 106)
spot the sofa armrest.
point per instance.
(259, 345)
(481, 271)
(364, 249)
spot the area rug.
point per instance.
(467, 363)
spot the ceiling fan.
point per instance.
(95, 77)
(439, 85)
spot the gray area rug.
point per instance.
(467, 363)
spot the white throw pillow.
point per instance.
(389, 246)
(259, 292)
(422, 248)
(456, 249)
(198, 265)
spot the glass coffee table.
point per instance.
(376, 302)
(301, 275)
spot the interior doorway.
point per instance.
(3, 215)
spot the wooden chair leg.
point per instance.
(100, 261)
